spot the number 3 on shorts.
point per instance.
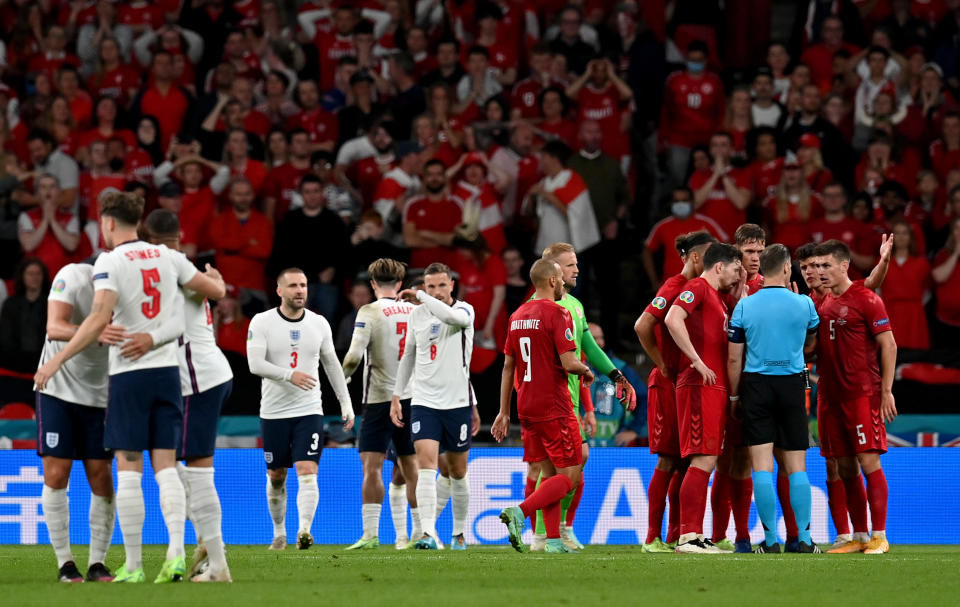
(861, 437)
(316, 441)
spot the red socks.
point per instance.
(693, 500)
(783, 494)
(720, 504)
(673, 494)
(837, 500)
(857, 503)
(547, 498)
(740, 499)
(574, 503)
(877, 493)
(660, 483)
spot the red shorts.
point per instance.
(662, 416)
(862, 427)
(829, 426)
(557, 440)
(702, 415)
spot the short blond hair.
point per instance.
(557, 249)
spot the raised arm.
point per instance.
(208, 284)
(875, 280)
(451, 315)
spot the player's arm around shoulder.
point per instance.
(208, 283)
(362, 329)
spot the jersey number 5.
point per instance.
(833, 333)
(525, 355)
(150, 277)
(402, 332)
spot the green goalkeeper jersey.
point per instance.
(585, 343)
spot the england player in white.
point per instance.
(379, 340)
(437, 356)
(205, 383)
(137, 285)
(70, 415)
(286, 346)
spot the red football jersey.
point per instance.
(693, 108)
(539, 332)
(281, 184)
(707, 326)
(849, 324)
(441, 216)
(332, 47)
(320, 124)
(794, 230)
(150, 15)
(605, 106)
(766, 177)
(115, 83)
(718, 206)
(658, 308)
(664, 235)
(526, 97)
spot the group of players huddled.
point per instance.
(131, 365)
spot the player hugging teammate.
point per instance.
(695, 398)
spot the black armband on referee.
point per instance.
(736, 335)
(616, 375)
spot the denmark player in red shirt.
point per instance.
(661, 398)
(698, 324)
(540, 352)
(854, 328)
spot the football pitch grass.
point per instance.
(493, 576)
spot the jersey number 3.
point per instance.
(150, 277)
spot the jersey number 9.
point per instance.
(150, 277)
(525, 355)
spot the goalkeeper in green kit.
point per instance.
(565, 256)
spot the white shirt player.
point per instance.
(438, 351)
(202, 364)
(380, 336)
(82, 379)
(278, 346)
(147, 279)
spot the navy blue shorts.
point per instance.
(69, 431)
(201, 417)
(450, 427)
(377, 430)
(144, 410)
(294, 439)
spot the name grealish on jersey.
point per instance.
(437, 354)
(83, 379)
(380, 337)
(277, 347)
(202, 364)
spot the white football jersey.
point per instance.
(202, 364)
(278, 346)
(146, 279)
(82, 379)
(438, 349)
(380, 331)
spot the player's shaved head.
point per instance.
(542, 271)
(282, 276)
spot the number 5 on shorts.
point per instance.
(861, 437)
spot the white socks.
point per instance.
(443, 494)
(131, 513)
(371, 520)
(204, 508)
(417, 532)
(307, 498)
(102, 516)
(173, 504)
(427, 500)
(277, 504)
(460, 493)
(398, 509)
(56, 512)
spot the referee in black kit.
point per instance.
(774, 326)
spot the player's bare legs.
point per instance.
(693, 504)
(849, 471)
(837, 501)
(277, 504)
(657, 496)
(308, 496)
(459, 494)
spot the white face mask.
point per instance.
(681, 209)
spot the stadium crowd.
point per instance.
(325, 135)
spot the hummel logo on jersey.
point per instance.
(294, 334)
(659, 303)
(686, 297)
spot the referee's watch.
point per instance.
(734, 398)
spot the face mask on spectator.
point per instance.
(696, 66)
(681, 208)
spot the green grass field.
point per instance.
(327, 575)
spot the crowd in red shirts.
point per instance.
(324, 134)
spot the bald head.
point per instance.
(542, 271)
